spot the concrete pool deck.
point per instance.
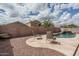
(20, 48)
(67, 45)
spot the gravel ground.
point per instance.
(18, 47)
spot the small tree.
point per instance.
(47, 24)
(70, 26)
(73, 26)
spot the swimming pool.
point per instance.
(66, 35)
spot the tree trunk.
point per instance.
(49, 35)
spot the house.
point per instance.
(16, 29)
(34, 23)
(36, 27)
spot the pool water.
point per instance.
(66, 35)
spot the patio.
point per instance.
(20, 48)
(67, 46)
(27, 46)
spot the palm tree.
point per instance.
(47, 24)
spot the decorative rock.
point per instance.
(55, 42)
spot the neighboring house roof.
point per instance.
(16, 29)
(33, 23)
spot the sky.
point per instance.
(58, 13)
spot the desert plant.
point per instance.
(70, 26)
(47, 24)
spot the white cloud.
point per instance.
(14, 12)
(44, 13)
(55, 13)
(64, 6)
(76, 16)
(74, 5)
(57, 6)
(75, 19)
(65, 18)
